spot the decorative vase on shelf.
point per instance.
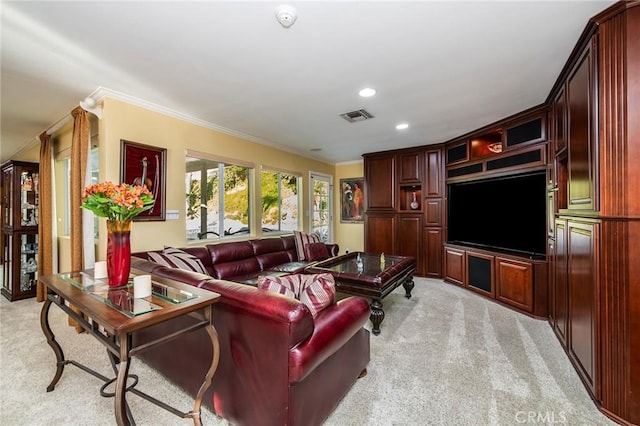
(414, 202)
(118, 252)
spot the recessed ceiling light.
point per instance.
(367, 92)
(402, 126)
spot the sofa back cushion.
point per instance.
(316, 251)
(176, 258)
(289, 243)
(233, 259)
(315, 291)
(301, 239)
(269, 252)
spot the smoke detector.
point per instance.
(286, 15)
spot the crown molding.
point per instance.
(103, 92)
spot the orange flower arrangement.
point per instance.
(117, 202)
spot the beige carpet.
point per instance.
(444, 357)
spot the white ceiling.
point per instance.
(445, 68)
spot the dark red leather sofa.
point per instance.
(278, 365)
(245, 261)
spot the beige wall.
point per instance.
(350, 236)
(124, 121)
(30, 155)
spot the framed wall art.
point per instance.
(145, 165)
(352, 200)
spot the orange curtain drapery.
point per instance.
(79, 154)
(45, 215)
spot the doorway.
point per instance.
(321, 204)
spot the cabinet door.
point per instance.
(409, 241)
(559, 116)
(559, 283)
(410, 165)
(433, 212)
(454, 266)
(582, 113)
(433, 245)
(380, 182)
(514, 283)
(7, 196)
(435, 170)
(583, 301)
(380, 233)
(480, 273)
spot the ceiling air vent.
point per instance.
(355, 116)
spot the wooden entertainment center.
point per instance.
(586, 139)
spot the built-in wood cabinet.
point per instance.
(512, 280)
(480, 273)
(559, 120)
(411, 166)
(559, 311)
(586, 135)
(455, 270)
(380, 179)
(380, 233)
(410, 241)
(594, 250)
(515, 284)
(406, 214)
(434, 212)
(583, 292)
(581, 118)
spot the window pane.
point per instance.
(279, 202)
(236, 200)
(211, 214)
(321, 209)
(95, 175)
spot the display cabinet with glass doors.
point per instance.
(19, 215)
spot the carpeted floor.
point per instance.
(444, 357)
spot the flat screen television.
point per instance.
(505, 213)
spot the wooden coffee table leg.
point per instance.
(377, 315)
(408, 286)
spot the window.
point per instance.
(63, 177)
(217, 199)
(95, 176)
(321, 203)
(279, 201)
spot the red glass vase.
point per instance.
(118, 252)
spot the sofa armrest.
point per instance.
(334, 326)
(333, 249)
(243, 301)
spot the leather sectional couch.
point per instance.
(245, 261)
(278, 364)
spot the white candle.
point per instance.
(100, 269)
(141, 286)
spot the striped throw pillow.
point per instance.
(315, 291)
(176, 258)
(301, 240)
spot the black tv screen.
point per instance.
(505, 213)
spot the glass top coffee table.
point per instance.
(369, 275)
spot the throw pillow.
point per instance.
(316, 251)
(315, 291)
(301, 239)
(176, 258)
